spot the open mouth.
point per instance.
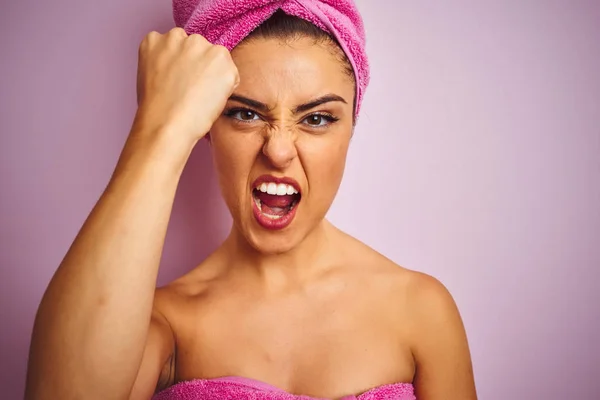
(275, 203)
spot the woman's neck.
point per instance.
(312, 256)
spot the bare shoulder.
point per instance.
(429, 299)
(434, 329)
(422, 292)
(426, 302)
(404, 281)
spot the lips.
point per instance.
(275, 201)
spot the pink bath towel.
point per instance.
(235, 388)
(228, 22)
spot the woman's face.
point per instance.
(280, 145)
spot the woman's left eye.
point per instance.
(319, 120)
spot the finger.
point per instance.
(198, 41)
(236, 83)
(178, 32)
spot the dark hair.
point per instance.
(288, 27)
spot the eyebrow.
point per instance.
(328, 98)
(249, 102)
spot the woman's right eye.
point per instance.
(243, 115)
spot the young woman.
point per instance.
(288, 303)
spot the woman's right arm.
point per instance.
(95, 334)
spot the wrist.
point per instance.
(162, 139)
(161, 146)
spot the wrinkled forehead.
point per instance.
(296, 70)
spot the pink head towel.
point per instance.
(228, 22)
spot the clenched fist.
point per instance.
(183, 82)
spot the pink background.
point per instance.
(476, 160)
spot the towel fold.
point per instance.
(228, 22)
(238, 388)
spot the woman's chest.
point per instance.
(326, 349)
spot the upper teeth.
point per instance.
(277, 189)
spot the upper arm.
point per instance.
(443, 362)
(157, 367)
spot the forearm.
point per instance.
(91, 327)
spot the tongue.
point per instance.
(271, 200)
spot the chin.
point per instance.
(274, 243)
(271, 241)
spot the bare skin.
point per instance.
(308, 309)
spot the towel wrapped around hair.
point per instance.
(228, 22)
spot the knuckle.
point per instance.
(152, 35)
(197, 38)
(197, 44)
(221, 54)
(221, 51)
(149, 38)
(232, 76)
(178, 31)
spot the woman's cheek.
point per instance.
(324, 166)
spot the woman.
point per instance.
(287, 299)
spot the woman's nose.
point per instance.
(280, 148)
